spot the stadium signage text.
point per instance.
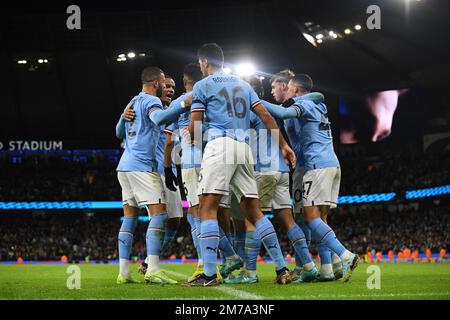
(21, 145)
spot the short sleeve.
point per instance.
(171, 128)
(151, 105)
(199, 98)
(254, 99)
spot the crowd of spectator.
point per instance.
(381, 228)
(93, 177)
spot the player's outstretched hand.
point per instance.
(171, 179)
(289, 156)
(129, 114)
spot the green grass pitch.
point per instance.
(398, 281)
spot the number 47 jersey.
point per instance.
(227, 102)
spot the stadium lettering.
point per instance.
(35, 145)
(192, 310)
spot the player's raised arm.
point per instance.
(269, 122)
(120, 128)
(290, 108)
(127, 115)
(161, 116)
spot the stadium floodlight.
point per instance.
(122, 55)
(245, 69)
(331, 33)
(131, 55)
(22, 61)
(142, 54)
(319, 41)
(358, 27)
(319, 36)
(310, 39)
(347, 31)
(41, 61)
(45, 60)
(227, 70)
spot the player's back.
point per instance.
(141, 136)
(314, 136)
(266, 148)
(227, 102)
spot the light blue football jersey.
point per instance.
(310, 134)
(191, 156)
(160, 147)
(141, 136)
(267, 155)
(227, 102)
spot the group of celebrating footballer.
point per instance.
(237, 155)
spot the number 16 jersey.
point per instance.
(226, 101)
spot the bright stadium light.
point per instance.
(41, 61)
(142, 54)
(131, 55)
(319, 36)
(319, 41)
(347, 31)
(122, 55)
(310, 39)
(245, 69)
(227, 70)
(358, 27)
(22, 61)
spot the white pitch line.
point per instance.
(233, 292)
(247, 295)
(375, 295)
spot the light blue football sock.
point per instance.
(225, 246)
(197, 222)
(155, 234)
(169, 235)
(190, 219)
(298, 241)
(126, 237)
(324, 234)
(239, 243)
(209, 243)
(266, 232)
(252, 249)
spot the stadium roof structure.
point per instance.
(81, 89)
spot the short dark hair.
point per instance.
(256, 84)
(193, 72)
(283, 76)
(304, 81)
(150, 74)
(211, 52)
